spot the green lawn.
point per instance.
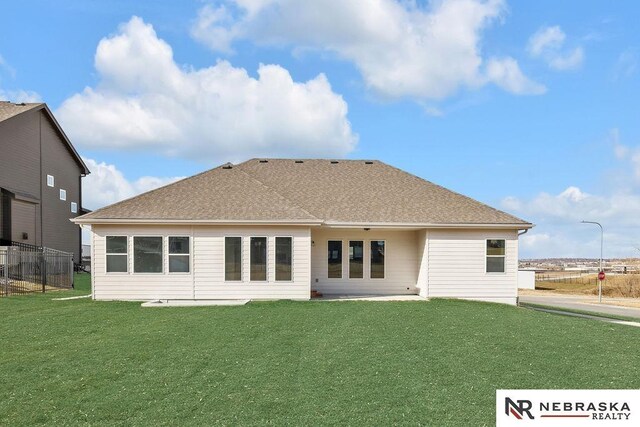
(296, 363)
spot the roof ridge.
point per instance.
(454, 192)
(277, 192)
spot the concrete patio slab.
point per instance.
(193, 303)
(329, 297)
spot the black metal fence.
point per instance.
(26, 268)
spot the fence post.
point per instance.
(6, 273)
(44, 272)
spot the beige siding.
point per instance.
(457, 264)
(206, 279)
(401, 264)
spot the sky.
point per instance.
(530, 107)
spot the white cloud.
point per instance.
(145, 100)
(19, 96)
(401, 49)
(106, 185)
(627, 64)
(548, 43)
(507, 74)
(558, 231)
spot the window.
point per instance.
(258, 271)
(334, 270)
(233, 258)
(356, 259)
(51, 181)
(284, 252)
(147, 254)
(377, 259)
(74, 207)
(495, 256)
(63, 194)
(179, 254)
(117, 254)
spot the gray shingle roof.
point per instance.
(9, 109)
(342, 191)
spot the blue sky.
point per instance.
(531, 107)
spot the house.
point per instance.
(40, 180)
(277, 228)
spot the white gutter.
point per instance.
(519, 226)
(305, 222)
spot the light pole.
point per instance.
(601, 246)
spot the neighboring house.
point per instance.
(40, 180)
(275, 228)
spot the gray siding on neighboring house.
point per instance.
(20, 148)
(32, 148)
(57, 231)
(23, 220)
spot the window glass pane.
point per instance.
(258, 258)
(495, 264)
(147, 254)
(232, 258)
(116, 244)
(74, 207)
(178, 263)
(335, 259)
(283, 258)
(377, 259)
(63, 194)
(178, 245)
(495, 247)
(116, 263)
(356, 259)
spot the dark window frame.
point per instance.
(266, 259)
(349, 259)
(108, 254)
(170, 254)
(162, 252)
(341, 258)
(225, 258)
(488, 256)
(275, 254)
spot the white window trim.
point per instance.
(341, 260)
(275, 260)
(74, 207)
(106, 255)
(224, 259)
(63, 191)
(133, 255)
(51, 181)
(384, 263)
(169, 254)
(486, 255)
(364, 259)
(266, 260)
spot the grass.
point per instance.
(622, 285)
(296, 363)
(587, 312)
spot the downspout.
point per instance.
(520, 233)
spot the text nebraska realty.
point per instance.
(598, 410)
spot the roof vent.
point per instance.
(334, 162)
(263, 161)
(227, 166)
(368, 162)
(299, 161)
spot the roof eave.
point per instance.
(142, 221)
(510, 226)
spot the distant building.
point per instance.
(40, 180)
